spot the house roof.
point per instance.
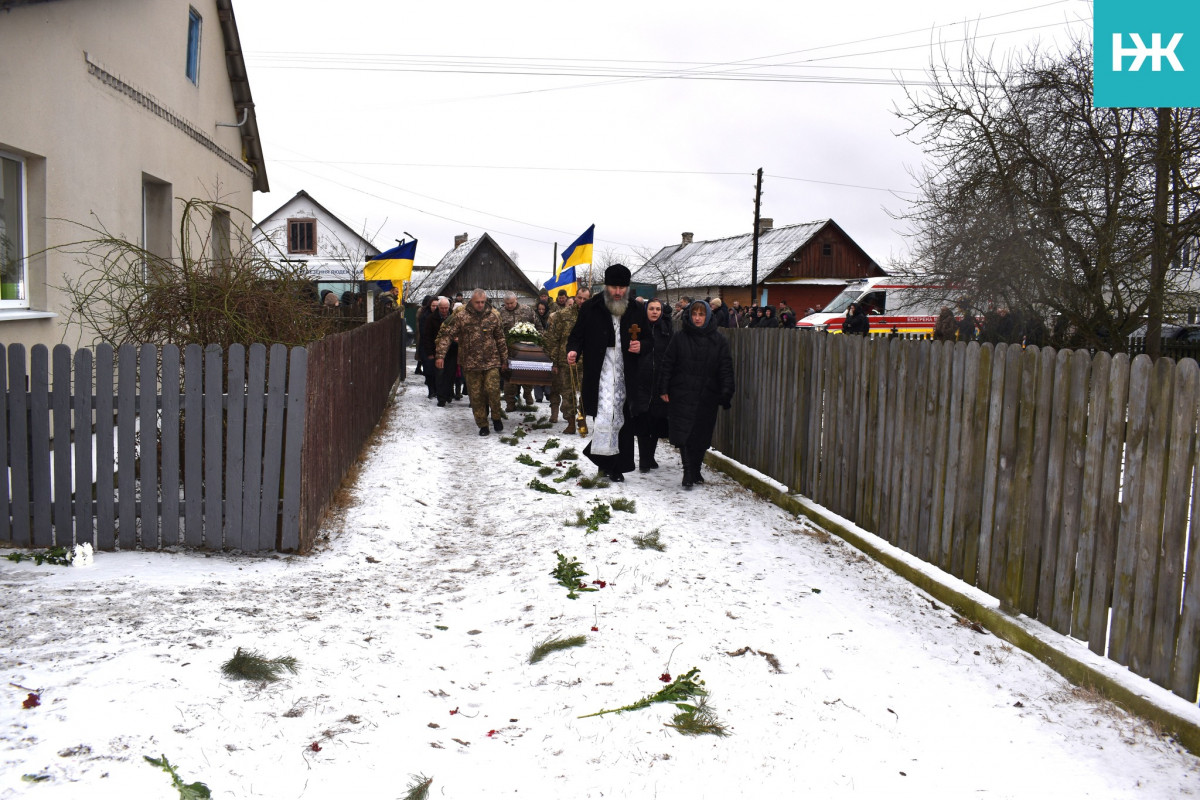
(726, 262)
(445, 270)
(243, 102)
(368, 248)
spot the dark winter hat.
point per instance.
(617, 275)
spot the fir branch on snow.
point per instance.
(624, 504)
(528, 460)
(679, 691)
(419, 788)
(511, 441)
(552, 645)
(542, 487)
(566, 454)
(545, 471)
(649, 541)
(600, 515)
(697, 720)
(189, 791)
(598, 482)
(572, 472)
(550, 444)
(251, 666)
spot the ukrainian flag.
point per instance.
(578, 254)
(395, 265)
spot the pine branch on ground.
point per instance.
(697, 720)
(600, 515)
(251, 666)
(419, 788)
(566, 454)
(598, 482)
(528, 460)
(552, 645)
(544, 471)
(650, 541)
(572, 472)
(550, 444)
(546, 488)
(624, 504)
(569, 573)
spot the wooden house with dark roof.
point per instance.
(472, 264)
(804, 265)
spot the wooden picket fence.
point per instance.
(1062, 483)
(147, 447)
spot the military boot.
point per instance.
(570, 426)
(553, 413)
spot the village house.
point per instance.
(472, 264)
(304, 232)
(804, 265)
(114, 113)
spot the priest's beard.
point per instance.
(616, 307)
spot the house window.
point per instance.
(156, 217)
(302, 236)
(826, 249)
(13, 284)
(222, 252)
(193, 46)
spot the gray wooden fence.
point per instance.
(1062, 483)
(139, 447)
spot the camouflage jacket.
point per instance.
(557, 331)
(519, 314)
(480, 336)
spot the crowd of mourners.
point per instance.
(629, 369)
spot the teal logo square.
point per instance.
(1146, 54)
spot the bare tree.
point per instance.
(1037, 201)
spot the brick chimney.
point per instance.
(765, 224)
(460, 240)
(687, 238)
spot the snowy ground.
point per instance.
(425, 597)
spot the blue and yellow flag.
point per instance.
(577, 255)
(395, 265)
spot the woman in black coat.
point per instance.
(649, 411)
(857, 321)
(769, 319)
(697, 377)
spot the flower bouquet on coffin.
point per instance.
(526, 357)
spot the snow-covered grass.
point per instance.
(413, 624)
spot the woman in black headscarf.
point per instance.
(649, 410)
(697, 377)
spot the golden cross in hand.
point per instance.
(634, 330)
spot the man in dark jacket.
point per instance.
(857, 321)
(605, 338)
(428, 326)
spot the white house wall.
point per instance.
(95, 96)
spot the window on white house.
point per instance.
(156, 217)
(14, 292)
(222, 253)
(302, 236)
(193, 45)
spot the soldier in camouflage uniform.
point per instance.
(511, 313)
(482, 353)
(559, 328)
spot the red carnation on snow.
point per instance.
(665, 677)
(33, 701)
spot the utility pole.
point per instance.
(754, 250)
(1159, 255)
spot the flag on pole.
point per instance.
(577, 255)
(394, 266)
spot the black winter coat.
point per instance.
(429, 326)
(697, 376)
(645, 397)
(858, 322)
(592, 335)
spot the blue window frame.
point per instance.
(193, 46)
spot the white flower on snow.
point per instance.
(82, 555)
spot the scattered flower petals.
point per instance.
(665, 677)
(601, 584)
(33, 701)
(455, 711)
(594, 628)
(315, 747)
(614, 541)
(491, 733)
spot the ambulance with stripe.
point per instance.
(892, 305)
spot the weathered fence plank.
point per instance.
(1072, 491)
(84, 532)
(18, 443)
(1036, 516)
(170, 484)
(235, 446)
(127, 447)
(60, 402)
(106, 465)
(214, 375)
(193, 459)
(1185, 669)
(252, 467)
(272, 447)
(1109, 512)
(39, 443)
(1168, 592)
(1052, 518)
(1131, 504)
(991, 466)
(1009, 410)
(297, 384)
(1090, 497)
(148, 428)
(1016, 533)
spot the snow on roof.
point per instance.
(726, 262)
(444, 270)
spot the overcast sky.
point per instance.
(406, 117)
